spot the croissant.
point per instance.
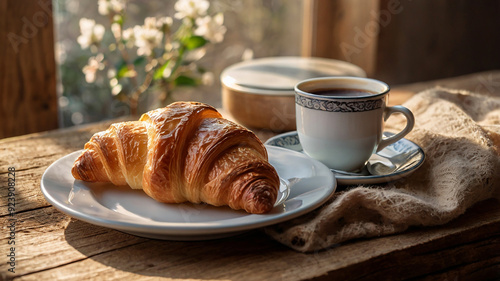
(185, 152)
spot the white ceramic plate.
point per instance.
(310, 184)
(405, 155)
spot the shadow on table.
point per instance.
(227, 258)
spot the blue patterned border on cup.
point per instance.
(339, 106)
(286, 141)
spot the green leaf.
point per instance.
(121, 68)
(185, 81)
(139, 60)
(159, 71)
(124, 71)
(121, 71)
(118, 19)
(195, 42)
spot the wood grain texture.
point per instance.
(28, 100)
(30, 155)
(485, 83)
(52, 246)
(55, 247)
(342, 29)
(437, 39)
(405, 41)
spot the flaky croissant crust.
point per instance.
(183, 152)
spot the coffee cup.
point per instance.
(340, 120)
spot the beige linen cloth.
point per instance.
(460, 134)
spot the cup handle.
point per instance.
(410, 122)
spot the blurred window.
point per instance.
(255, 29)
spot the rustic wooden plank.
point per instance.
(46, 238)
(483, 270)
(31, 154)
(486, 83)
(51, 246)
(55, 247)
(462, 253)
(28, 99)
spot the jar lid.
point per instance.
(278, 75)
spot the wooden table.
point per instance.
(49, 245)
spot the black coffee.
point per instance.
(343, 93)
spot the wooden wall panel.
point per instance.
(437, 39)
(342, 29)
(28, 99)
(415, 41)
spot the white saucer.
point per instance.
(306, 184)
(405, 155)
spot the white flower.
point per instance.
(94, 64)
(150, 23)
(116, 29)
(63, 101)
(164, 22)
(113, 6)
(191, 8)
(247, 54)
(61, 50)
(128, 35)
(77, 118)
(207, 78)
(211, 28)
(196, 54)
(167, 71)
(187, 22)
(115, 90)
(147, 37)
(111, 73)
(91, 33)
